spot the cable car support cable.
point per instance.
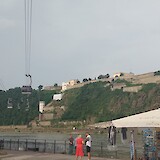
(28, 25)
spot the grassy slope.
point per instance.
(95, 102)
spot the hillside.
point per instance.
(95, 101)
(19, 109)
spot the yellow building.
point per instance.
(66, 85)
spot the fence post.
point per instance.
(3, 144)
(10, 144)
(54, 146)
(45, 145)
(65, 147)
(101, 148)
(26, 144)
(35, 144)
(116, 154)
(18, 144)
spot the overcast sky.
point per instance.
(76, 39)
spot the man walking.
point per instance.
(88, 145)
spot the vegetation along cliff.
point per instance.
(94, 102)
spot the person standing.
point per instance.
(112, 135)
(71, 140)
(88, 145)
(79, 147)
(75, 143)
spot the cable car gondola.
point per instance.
(27, 89)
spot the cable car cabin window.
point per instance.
(10, 107)
(26, 90)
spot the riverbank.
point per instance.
(57, 141)
(26, 129)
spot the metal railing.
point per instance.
(99, 149)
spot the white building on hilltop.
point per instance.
(66, 85)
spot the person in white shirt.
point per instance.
(88, 145)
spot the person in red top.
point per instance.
(79, 147)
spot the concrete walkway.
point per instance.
(23, 155)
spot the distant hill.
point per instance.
(95, 101)
(19, 109)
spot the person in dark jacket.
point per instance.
(71, 145)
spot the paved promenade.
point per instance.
(23, 155)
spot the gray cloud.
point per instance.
(77, 39)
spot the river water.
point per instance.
(50, 136)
